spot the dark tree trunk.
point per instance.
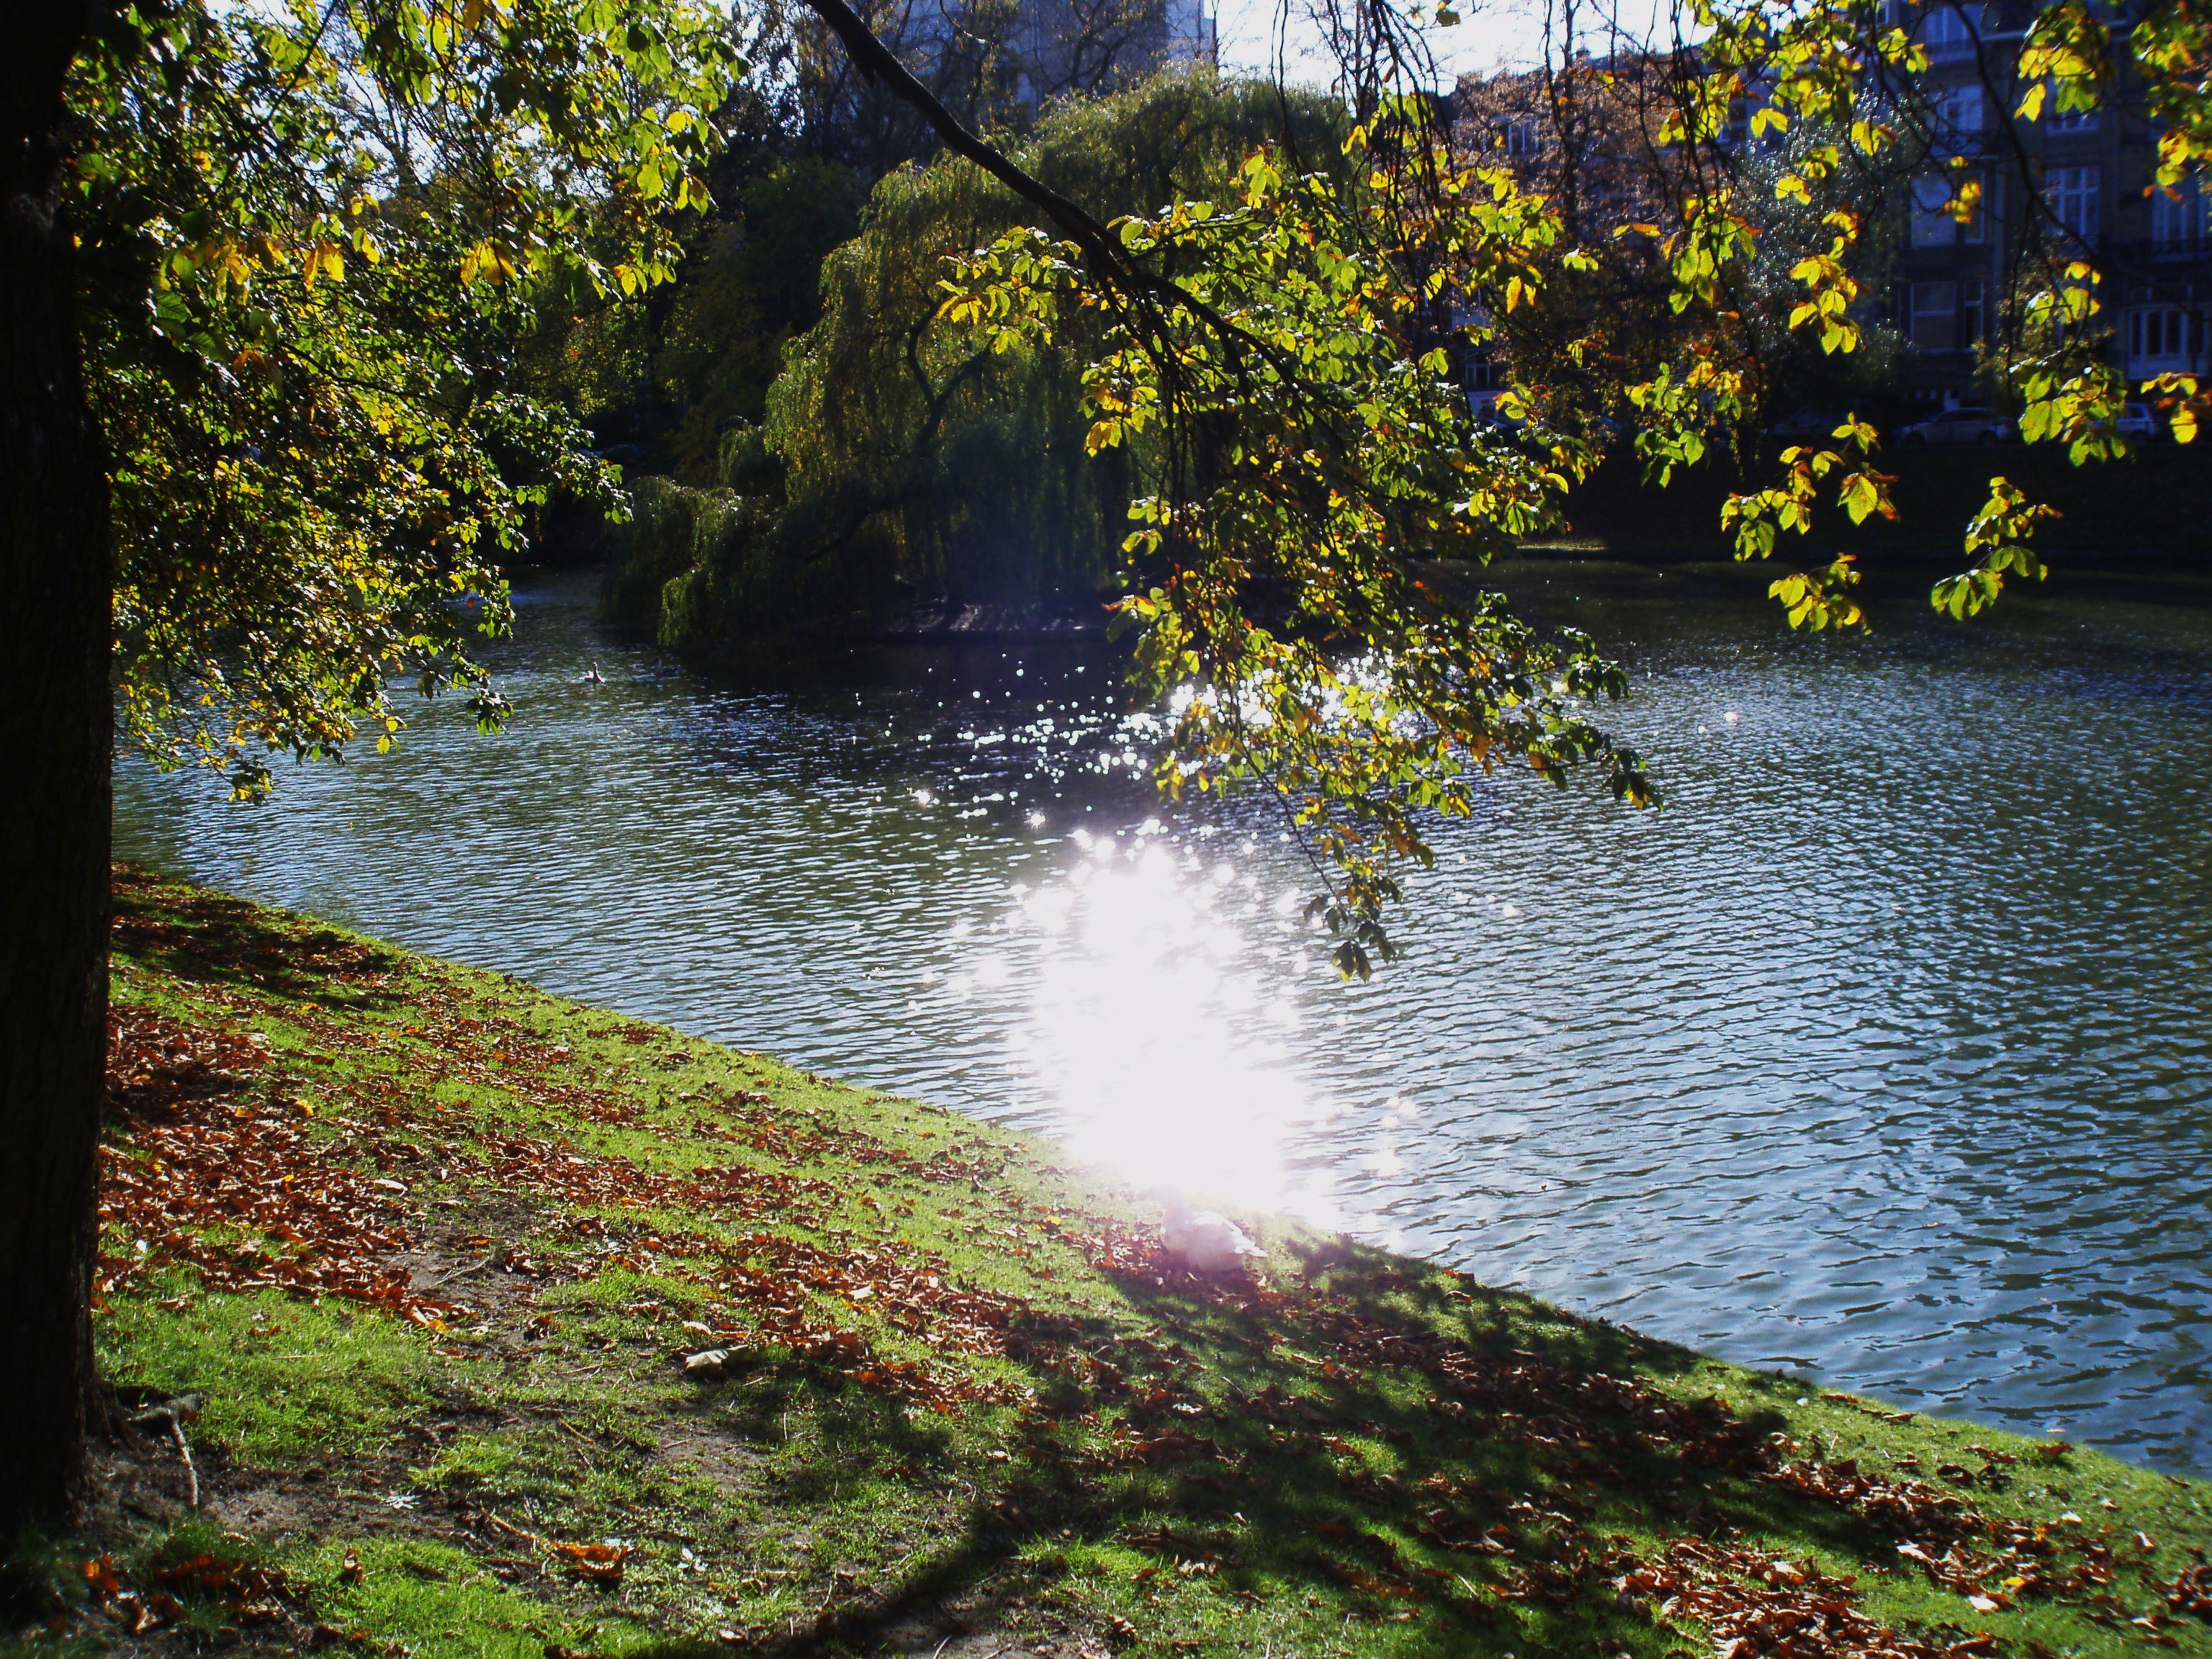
(55, 741)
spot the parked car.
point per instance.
(1484, 406)
(1807, 426)
(2137, 421)
(1959, 426)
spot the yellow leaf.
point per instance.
(487, 262)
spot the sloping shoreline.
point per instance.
(423, 1268)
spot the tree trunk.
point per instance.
(55, 742)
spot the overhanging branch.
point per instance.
(879, 63)
(1146, 290)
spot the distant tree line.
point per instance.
(901, 460)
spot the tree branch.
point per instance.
(877, 61)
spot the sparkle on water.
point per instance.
(1881, 1054)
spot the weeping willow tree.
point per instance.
(908, 462)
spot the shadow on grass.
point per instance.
(1460, 1462)
(209, 939)
(1453, 1469)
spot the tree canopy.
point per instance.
(902, 458)
(316, 239)
(309, 350)
(1311, 460)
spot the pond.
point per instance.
(1880, 1054)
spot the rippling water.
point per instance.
(1880, 1053)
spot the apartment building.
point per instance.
(2075, 184)
(2071, 185)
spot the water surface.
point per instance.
(1880, 1053)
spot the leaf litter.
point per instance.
(217, 1163)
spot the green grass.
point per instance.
(971, 1408)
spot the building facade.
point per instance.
(2071, 185)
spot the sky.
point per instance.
(1494, 34)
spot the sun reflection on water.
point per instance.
(1830, 1116)
(1162, 1031)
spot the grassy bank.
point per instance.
(410, 1258)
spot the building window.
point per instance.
(1973, 324)
(2055, 119)
(2181, 218)
(2163, 340)
(1523, 136)
(2074, 194)
(1935, 316)
(1959, 116)
(1934, 214)
(1948, 35)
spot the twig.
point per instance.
(185, 1451)
(462, 1273)
(542, 1561)
(508, 1526)
(879, 63)
(173, 1412)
